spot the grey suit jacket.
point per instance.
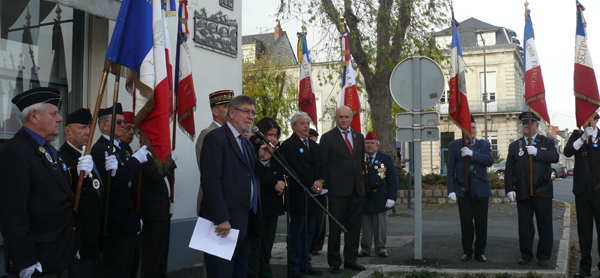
(203, 133)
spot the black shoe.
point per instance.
(524, 261)
(355, 266)
(363, 254)
(383, 254)
(465, 257)
(543, 262)
(582, 274)
(315, 253)
(311, 271)
(481, 258)
(334, 270)
(297, 274)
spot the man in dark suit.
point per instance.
(90, 213)
(382, 195)
(231, 191)
(342, 156)
(120, 250)
(536, 198)
(37, 220)
(472, 201)
(302, 155)
(584, 146)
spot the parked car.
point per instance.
(558, 170)
(570, 172)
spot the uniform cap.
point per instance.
(108, 111)
(220, 97)
(80, 116)
(371, 136)
(37, 95)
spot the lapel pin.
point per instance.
(96, 184)
(301, 150)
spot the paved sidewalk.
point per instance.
(441, 246)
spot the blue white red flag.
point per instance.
(170, 7)
(138, 43)
(458, 105)
(349, 90)
(184, 82)
(535, 93)
(587, 99)
(306, 96)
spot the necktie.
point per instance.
(348, 143)
(306, 143)
(254, 188)
(52, 151)
(371, 161)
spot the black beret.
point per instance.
(80, 116)
(597, 117)
(37, 95)
(473, 119)
(108, 111)
(524, 117)
(313, 133)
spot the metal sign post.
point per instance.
(416, 85)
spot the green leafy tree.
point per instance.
(275, 90)
(380, 34)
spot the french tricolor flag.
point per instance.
(458, 106)
(587, 99)
(349, 91)
(535, 93)
(306, 96)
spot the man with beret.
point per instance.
(120, 250)
(533, 198)
(382, 195)
(90, 212)
(219, 105)
(584, 146)
(472, 201)
(37, 220)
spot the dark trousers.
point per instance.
(348, 210)
(62, 274)
(120, 256)
(473, 222)
(84, 268)
(542, 207)
(302, 230)
(588, 211)
(320, 231)
(260, 250)
(155, 248)
(237, 267)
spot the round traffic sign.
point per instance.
(430, 79)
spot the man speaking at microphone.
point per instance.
(231, 191)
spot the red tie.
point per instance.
(348, 143)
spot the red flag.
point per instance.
(587, 99)
(458, 106)
(349, 91)
(306, 95)
(186, 95)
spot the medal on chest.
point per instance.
(521, 152)
(96, 184)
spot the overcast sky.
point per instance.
(553, 22)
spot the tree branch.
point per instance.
(404, 19)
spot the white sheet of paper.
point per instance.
(323, 192)
(206, 240)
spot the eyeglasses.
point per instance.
(246, 111)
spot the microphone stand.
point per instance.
(288, 237)
(287, 167)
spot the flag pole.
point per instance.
(172, 183)
(530, 143)
(92, 129)
(113, 122)
(139, 185)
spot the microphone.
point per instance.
(260, 135)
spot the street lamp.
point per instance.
(485, 98)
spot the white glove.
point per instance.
(531, 150)
(390, 203)
(174, 155)
(111, 164)
(26, 273)
(511, 196)
(466, 152)
(452, 196)
(77, 256)
(142, 154)
(85, 164)
(587, 133)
